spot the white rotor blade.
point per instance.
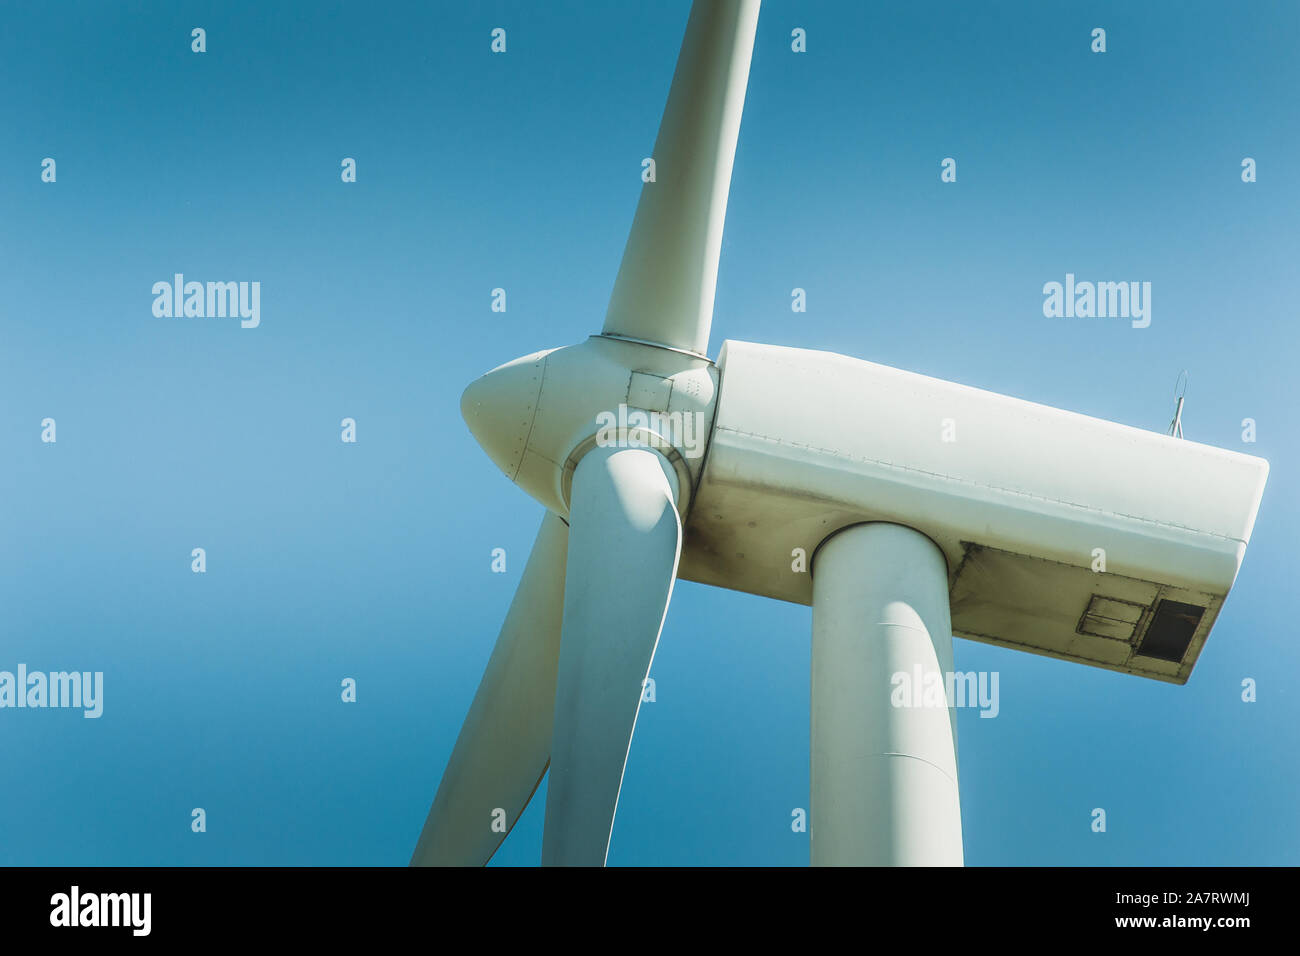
(505, 742)
(624, 542)
(665, 286)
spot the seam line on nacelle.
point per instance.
(976, 484)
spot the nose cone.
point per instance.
(500, 406)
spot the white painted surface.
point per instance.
(1019, 476)
(807, 442)
(624, 542)
(665, 286)
(884, 778)
(537, 416)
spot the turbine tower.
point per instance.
(913, 538)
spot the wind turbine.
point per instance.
(995, 537)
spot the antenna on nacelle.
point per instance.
(1180, 387)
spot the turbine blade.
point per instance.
(505, 742)
(665, 285)
(624, 542)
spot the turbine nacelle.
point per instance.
(537, 416)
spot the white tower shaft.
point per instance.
(884, 765)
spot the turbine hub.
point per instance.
(538, 415)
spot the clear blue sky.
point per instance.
(475, 170)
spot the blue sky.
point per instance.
(327, 560)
